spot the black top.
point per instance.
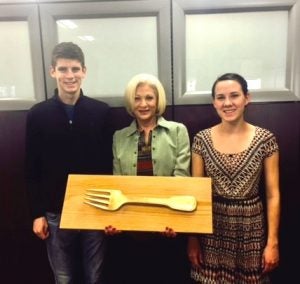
(56, 147)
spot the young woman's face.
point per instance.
(229, 100)
(145, 103)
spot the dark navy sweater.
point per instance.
(57, 146)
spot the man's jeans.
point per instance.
(75, 256)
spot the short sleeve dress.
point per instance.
(232, 254)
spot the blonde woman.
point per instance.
(150, 146)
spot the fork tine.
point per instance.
(97, 205)
(104, 191)
(96, 200)
(110, 198)
(102, 196)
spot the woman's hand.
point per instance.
(111, 231)
(270, 258)
(194, 252)
(169, 233)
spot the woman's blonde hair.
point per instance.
(154, 83)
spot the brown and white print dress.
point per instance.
(233, 253)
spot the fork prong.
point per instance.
(97, 200)
(100, 190)
(102, 196)
(104, 207)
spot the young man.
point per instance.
(66, 134)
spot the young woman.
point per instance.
(234, 154)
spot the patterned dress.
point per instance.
(233, 253)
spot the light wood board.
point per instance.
(78, 215)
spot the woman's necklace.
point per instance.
(145, 142)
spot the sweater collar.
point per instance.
(56, 96)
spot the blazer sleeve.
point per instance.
(183, 159)
(116, 162)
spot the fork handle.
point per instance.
(148, 200)
(182, 203)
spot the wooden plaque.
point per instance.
(136, 217)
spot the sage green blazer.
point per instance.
(170, 149)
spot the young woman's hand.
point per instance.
(194, 252)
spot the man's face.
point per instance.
(69, 74)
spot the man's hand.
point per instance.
(40, 228)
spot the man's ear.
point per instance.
(52, 71)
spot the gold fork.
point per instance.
(113, 199)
